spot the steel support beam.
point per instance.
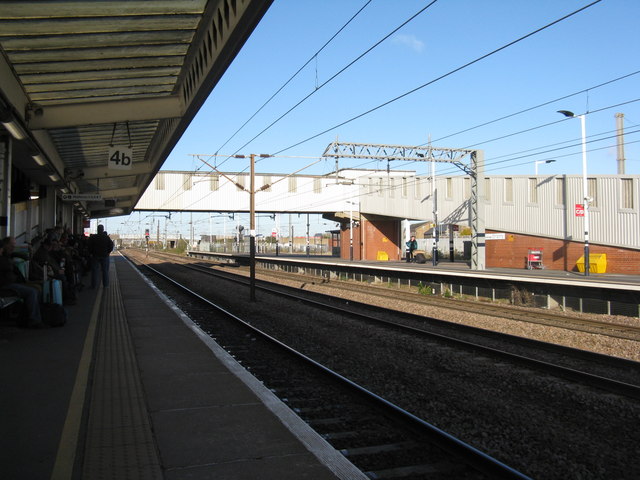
(477, 207)
(133, 110)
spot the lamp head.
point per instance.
(567, 113)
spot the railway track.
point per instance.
(381, 438)
(595, 370)
(538, 317)
(522, 403)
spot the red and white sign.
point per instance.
(579, 210)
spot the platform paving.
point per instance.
(130, 388)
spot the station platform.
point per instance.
(129, 388)
(445, 267)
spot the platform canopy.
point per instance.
(94, 95)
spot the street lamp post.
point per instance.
(540, 162)
(351, 224)
(585, 186)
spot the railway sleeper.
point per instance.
(422, 469)
(374, 449)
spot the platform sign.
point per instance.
(81, 197)
(495, 236)
(579, 210)
(120, 157)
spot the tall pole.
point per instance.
(238, 233)
(277, 234)
(434, 199)
(308, 248)
(252, 232)
(350, 231)
(585, 185)
(620, 138)
(290, 235)
(585, 191)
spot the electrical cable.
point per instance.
(315, 55)
(453, 71)
(536, 107)
(431, 82)
(342, 70)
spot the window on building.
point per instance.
(266, 182)
(381, 188)
(559, 191)
(508, 190)
(214, 183)
(449, 189)
(240, 179)
(404, 187)
(626, 185)
(317, 185)
(392, 187)
(467, 188)
(160, 181)
(487, 189)
(293, 185)
(418, 181)
(187, 181)
(533, 190)
(592, 189)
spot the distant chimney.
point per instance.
(620, 136)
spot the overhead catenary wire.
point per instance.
(488, 162)
(437, 79)
(529, 109)
(314, 56)
(511, 43)
(339, 72)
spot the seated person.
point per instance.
(43, 260)
(9, 282)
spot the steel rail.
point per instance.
(442, 439)
(610, 385)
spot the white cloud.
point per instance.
(410, 41)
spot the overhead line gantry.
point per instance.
(471, 162)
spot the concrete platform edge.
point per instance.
(324, 452)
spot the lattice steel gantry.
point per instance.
(474, 167)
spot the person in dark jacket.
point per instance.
(411, 246)
(100, 247)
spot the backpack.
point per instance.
(53, 314)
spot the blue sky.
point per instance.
(569, 59)
(595, 46)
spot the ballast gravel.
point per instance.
(543, 426)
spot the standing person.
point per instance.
(411, 246)
(100, 247)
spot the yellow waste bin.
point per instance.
(597, 263)
(382, 256)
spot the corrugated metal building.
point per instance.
(532, 211)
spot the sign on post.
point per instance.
(579, 209)
(120, 157)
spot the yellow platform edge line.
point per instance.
(66, 456)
